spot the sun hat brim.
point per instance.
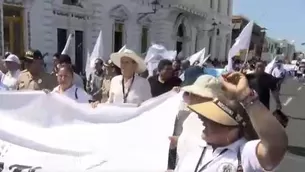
(213, 112)
(202, 92)
(116, 59)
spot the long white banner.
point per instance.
(49, 132)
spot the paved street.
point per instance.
(293, 99)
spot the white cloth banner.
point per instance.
(57, 134)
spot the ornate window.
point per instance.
(219, 6)
(72, 2)
(144, 39)
(212, 4)
(119, 14)
(118, 35)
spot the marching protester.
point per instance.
(64, 60)
(55, 63)
(165, 80)
(279, 73)
(34, 77)
(95, 81)
(191, 74)
(67, 87)
(263, 83)
(9, 80)
(177, 67)
(129, 87)
(231, 126)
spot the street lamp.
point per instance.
(155, 6)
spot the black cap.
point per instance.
(33, 55)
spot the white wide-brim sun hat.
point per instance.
(116, 59)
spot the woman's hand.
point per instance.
(173, 141)
(46, 91)
(176, 89)
(236, 84)
(94, 104)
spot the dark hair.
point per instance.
(64, 58)
(69, 68)
(177, 60)
(7, 54)
(163, 63)
(281, 117)
(56, 55)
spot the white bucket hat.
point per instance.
(116, 59)
(12, 58)
(205, 86)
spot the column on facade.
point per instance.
(214, 45)
(162, 31)
(1, 29)
(203, 41)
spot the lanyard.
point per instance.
(205, 165)
(125, 95)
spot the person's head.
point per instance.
(34, 61)
(56, 60)
(129, 62)
(185, 64)
(65, 76)
(205, 88)
(64, 60)
(225, 121)
(12, 62)
(281, 117)
(177, 64)
(191, 74)
(165, 69)
(98, 64)
(259, 67)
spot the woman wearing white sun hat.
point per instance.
(128, 87)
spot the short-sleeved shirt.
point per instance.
(228, 161)
(139, 90)
(263, 84)
(44, 81)
(158, 88)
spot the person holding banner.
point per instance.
(129, 87)
(66, 87)
(240, 133)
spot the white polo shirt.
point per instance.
(191, 133)
(75, 93)
(227, 161)
(139, 90)
(10, 79)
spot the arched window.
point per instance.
(181, 30)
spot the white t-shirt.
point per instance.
(278, 72)
(75, 93)
(228, 160)
(191, 134)
(139, 90)
(78, 81)
(9, 80)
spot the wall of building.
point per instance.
(44, 17)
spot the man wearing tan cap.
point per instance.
(34, 78)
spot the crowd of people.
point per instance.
(224, 124)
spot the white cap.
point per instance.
(12, 58)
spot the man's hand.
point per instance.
(173, 141)
(279, 106)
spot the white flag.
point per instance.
(98, 50)
(67, 46)
(242, 42)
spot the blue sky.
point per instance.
(284, 19)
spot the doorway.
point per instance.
(13, 29)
